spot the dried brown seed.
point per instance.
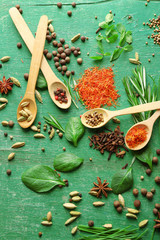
(11, 156)
(18, 144)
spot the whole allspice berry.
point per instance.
(26, 76)
(157, 180)
(8, 172)
(79, 61)
(69, 13)
(59, 4)
(49, 56)
(135, 191)
(149, 195)
(45, 51)
(143, 191)
(116, 204)
(137, 203)
(19, 45)
(17, 6)
(68, 73)
(155, 160)
(10, 123)
(90, 223)
(157, 205)
(60, 135)
(155, 211)
(158, 151)
(40, 234)
(148, 171)
(62, 40)
(119, 209)
(55, 43)
(83, 38)
(73, 4)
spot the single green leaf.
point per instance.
(74, 130)
(122, 39)
(145, 155)
(66, 162)
(41, 178)
(109, 18)
(117, 52)
(129, 38)
(128, 48)
(121, 28)
(97, 57)
(122, 181)
(103, 25)
(99, 37)
(109, 30)
(100, 47)
(112, 39)
(41, 82)
(107, 54)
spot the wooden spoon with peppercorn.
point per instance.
(136, 139)
(102, 116)
(27, 117)
(58, 91)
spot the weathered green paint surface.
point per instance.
(22, 210)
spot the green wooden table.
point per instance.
(22, 210)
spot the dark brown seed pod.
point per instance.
(62, 62)
(54, 35)
(66, 46)
(64, 68)
(148, 171)
(157, 180)
(158, 151)
(83, 38)
(79, 61)
(72, 72)
(60, 135)
(67, 59)
(17, 6)
(78, 49)
(137, 203)
(67, 51)
(48, 38)
(75, 53)
(20, 10)
(8, 172)
(73, 48)
(60, 50)
(68, 73)
(56, 59)
(56, 64)
(73, 4)
(155, 211)
(54, 53)
(10, 123)
(59, 69)
(63, 55)
(157, 205)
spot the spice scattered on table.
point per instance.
(101, 188)
(157, 225)
(96, 88)
(109, 141)
(155, 24)
(94, 119)
(136, 136)
(6, 85)
(60, 95)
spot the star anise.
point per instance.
(5, 85)
(101, 188)
(157, 221)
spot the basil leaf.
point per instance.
(97, 57)
(100, 46)
(129, 38)
(109, 18)
(116, 54)
(109, 29)
(103, 25)
(121, 28)
(128, 48)
(112, 39)
(41, 178)
(145, 155)
(107, 54)
(74, 130)
(99, 37)
(66, 162)
(41, 82)
(122, 39)
(122, 181)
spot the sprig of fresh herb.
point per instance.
(51, 120)
(112, 32)
(101, 233)
(139, 91)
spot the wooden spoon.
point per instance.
(52, 80)
(148, 124)
(108, 115)
(33, 73)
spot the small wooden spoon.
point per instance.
(52, 80)
(148, 124)
(108, 115)
(34, 70)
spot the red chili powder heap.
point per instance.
(96, 88)
(136, 136)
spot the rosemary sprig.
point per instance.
(139, 91)
(51, 120)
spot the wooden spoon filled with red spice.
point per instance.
(140, 133)
(98, 117)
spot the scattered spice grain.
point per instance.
(149, 195)
(59, 4)
(157, 180)
(69, 13)
(19, 45)
(119, 209)
(155, 160)
(26, 76)
(73, 4)
(143, 191)
(90, 223)
(40, 234)
(158, 151)
(136, 136)
(8, 172)
(135, 192)
(148, 171)
(155, 211)
(137, 203)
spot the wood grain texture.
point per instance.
(22, 210)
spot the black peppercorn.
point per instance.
(149, 195)
(40, 234)
(0, 65)
(20, 10)
(72, 72)
(73, 48)
(56, 59)
(63, 55)
(56, 64)
(64, 68)
(59, 45)
(59, 69)
(67, 51)
(60, 50)
(143, 191)
(75, 53)
(49, 38)
(67, 59)
(157, 180)
(66, 46)
(119, 209)
(83, 38)
(68, 73)
(62, 62)
(54, 53)
(55, 43)
(5, 134)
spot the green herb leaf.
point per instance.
(109, 30)
(129, 38)
(122, 181)
(41, 178)
(122, 39)
(97, 57)
(51, 120)
(121, 28)
(74, 130)
(99, 37)
(66, 162)
(128, 48)
(112, 39)
(103, 25)
(116, 54)
(41, 82)
(109, 18)
(100, 47)
(145, 155)
(107, 54)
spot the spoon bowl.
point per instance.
(53, 87)
(32, 107)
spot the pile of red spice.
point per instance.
(136, 135)
(96, 88)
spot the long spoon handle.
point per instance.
(150, 121)
(136, 109)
